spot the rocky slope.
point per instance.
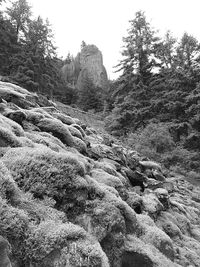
(88, 63)
(70, 197)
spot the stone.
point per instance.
(152, 205)
(17, 116)
(150, 165)
(89, 62)
(163, 197)
(136, 178)
(158, 175)
(4, 247)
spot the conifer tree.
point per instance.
(88, 98)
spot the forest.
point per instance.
(154, 103)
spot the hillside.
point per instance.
(72, 197)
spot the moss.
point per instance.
(41, 110)
(8, 89)
(103, 177)
(139, 254)
(75, 132)
(11, 125)
(46, 139)
(49, 236)
(8, 188)
(13, 226)
(33, 116)
(152, 205)
(14, 88)
(107, 167)
(79, 128)
(17, 115)
(96, 190)
(64, 118)
(26, 141)
(151, 234)
(79, 145)
(58, 129)
(88, 253)
(7, 138)
(45, 172)
(40, 210)
(168, 226)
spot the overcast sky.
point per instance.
(105, 22)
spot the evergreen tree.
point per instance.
(8, 45)
(19, 14)
(188, 51)
(88, 98)
(83, 44)
(139, 49)
(31, 66)
(166, 52)
(132, 86)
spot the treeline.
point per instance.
(27, 52)
(160, 80)
(155, 103)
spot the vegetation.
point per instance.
(46, 173)
(155, 101)
(28, 54)
(89, 96)
(70, 197)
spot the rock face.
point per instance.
(88, 63)
(68, 197)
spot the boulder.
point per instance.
(44, 172)
(18, 116)
(150, 165)
(137, 253)
(163, 197)
(152, 205)
(59, 244)
(4, 249)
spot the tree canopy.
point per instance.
(159, 81)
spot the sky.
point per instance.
(105, 22)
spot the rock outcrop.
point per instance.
(87, 64)
(70, 197)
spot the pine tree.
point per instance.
(8, 45)
(139, 49)
(88, 98)
(132, 94)
(19, 14)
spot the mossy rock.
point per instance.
(56, 244)
(44, 172)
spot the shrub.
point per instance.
(155, 138)
(181, 157)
